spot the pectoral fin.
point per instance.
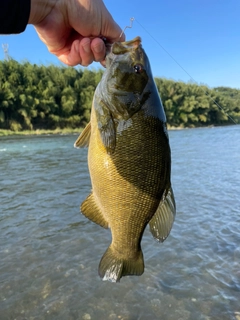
(108, 136)
(84, 138)
(162, 221)
(91, 210)
(106, 127)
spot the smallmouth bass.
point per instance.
(129, 160)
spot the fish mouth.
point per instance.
(126, 46)
(122, 47)
(118, 48)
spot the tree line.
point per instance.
(48, 97)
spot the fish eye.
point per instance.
(138, 68)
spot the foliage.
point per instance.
(36, 97)
(191, 105)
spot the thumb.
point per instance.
(112, 31)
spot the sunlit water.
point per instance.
(49, 252)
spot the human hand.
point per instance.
(72, 29)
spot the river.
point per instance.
(49, 252)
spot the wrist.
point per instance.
(39, 10)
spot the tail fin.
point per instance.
(112, 268)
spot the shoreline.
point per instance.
(38, 132)
(42, 132)
(6, 133)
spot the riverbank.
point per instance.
(39, 132)
(53, 132)
(59, 131)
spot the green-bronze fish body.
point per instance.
(129, 160)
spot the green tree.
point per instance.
(46, 97)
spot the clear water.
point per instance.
(49, 252)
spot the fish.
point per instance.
(129, 160)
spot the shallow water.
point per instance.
(49, 252)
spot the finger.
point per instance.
(123, 37)
(110, 29)
(98, 49)
(85, 52)
(80, 53)
(71, 57)
(113, 34)
(103, 63)
(119, 34)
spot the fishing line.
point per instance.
(159, 44)
(131, 22)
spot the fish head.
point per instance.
(126, 77)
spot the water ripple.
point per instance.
(49, 252)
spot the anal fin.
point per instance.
(91, 210)
(162, 221)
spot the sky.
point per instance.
(185, 40)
